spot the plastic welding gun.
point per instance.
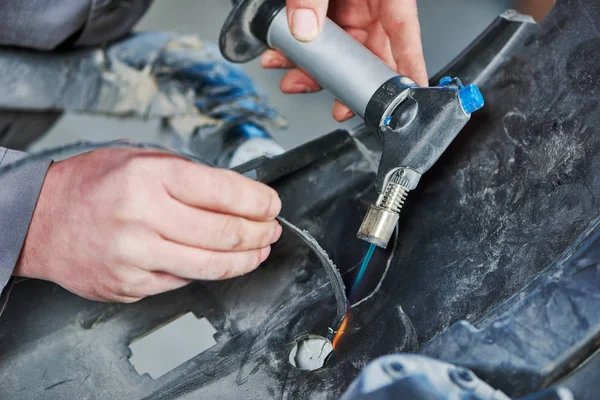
(416, 123)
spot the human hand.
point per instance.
(389, 28)
(123, 224)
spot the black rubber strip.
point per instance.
(337, 284)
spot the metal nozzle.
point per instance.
(381, 218)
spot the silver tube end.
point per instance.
(378, 226)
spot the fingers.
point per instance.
(161, 282)
(174, 267)
(139, 284)
(341, 112)
(208, 230)
(362, 35)
(353, 13)
(221, 191)
(192, 263)
(274, 59)
(293, 82)
(296, 81)
(306, 18)
(379, 43)
(400, 21)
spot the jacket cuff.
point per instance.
(19, 192)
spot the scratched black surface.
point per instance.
(517, 186)
(515, 189)
(537, 337)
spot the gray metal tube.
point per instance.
(335, 59)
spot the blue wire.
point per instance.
(363, 267)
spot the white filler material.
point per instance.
(171, 345)
(311, 353)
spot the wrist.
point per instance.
(33, 259)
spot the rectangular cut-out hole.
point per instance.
(171, 345)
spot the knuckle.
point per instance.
(221, 195)
(164, 282)
(265, 203)
(185, 173)
(117, 246)
(267, 234)
(224, 273)
(115, 291)
(406, 54)
(212, 265)
(396, 23)
(226, 191)
(252, 261)
(123, 289)
(275, 203)
(255, 260)
(142, 280)
(220, 267)
(133, 190)
(130, 283)
(174, 168)
(98, 292)
(128, 201)
(124, 248)
(133, 167)
(232, 233)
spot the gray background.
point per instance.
(447, 27)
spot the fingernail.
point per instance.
(264, 254)
(349, 114)
(276, 234)
(275, 207)
(305, 26)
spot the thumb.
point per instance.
(306, 18)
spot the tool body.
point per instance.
(416, 124)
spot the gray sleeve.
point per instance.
(45, 25)
(19, 191)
